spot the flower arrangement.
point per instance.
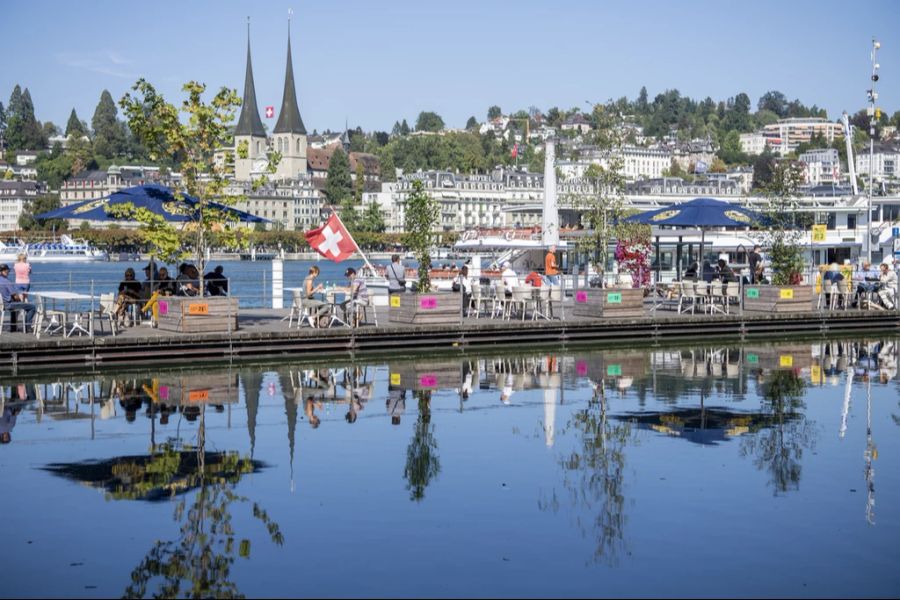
(633, 256)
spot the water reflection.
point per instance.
(588, 422)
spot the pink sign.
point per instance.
(163, 307)
(581, 367)
(428, 381)
(163, 392)
(581, 297)
(428, 302)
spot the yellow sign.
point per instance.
(786, 360)
(815, 374)
(395, 378)
(818, 233)
(395, 301)
(199, 308)
(787, 294)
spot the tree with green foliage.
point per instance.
(730, 149)
(40, 204)
(109, 133)
(194, 139)
(372, 220)
(75, 126)
(494, 112)
(49, 129)
(404, 128)
(2, 129)
(422, 213)
(422, 462)
(338, 182)
(81, 154)
(395, 130)
(23, 132)
(359, 184)
(55, 167)
(763, 169)
(429, 121)
(783, 234)
(775, 102)
(386, 164)
(472, 123)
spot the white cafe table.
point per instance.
(71, 302)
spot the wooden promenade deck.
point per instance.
(264, 336)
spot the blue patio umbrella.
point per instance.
(701, 213)
(158, 199)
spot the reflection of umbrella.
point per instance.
(157, 199)
(706, 426)
(701, 213)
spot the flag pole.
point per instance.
(334, 212)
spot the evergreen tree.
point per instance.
(642, 104)
(404, 128)
(372, 219)
(472, 123)
(109, 132)
(32, 130)
(395, 131)
(338, 183)
(387, 168)
(429, 121)
(494, 112)
(75, 126)
(23, 132)
(2, 128)
(359, 185)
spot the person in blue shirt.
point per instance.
(12, 299)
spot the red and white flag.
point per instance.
(270, 112)
(332, 240)
(515, 151)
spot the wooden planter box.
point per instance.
(216, 388)
(198, 315)
(781, 357)
(609, 302)
(778, 298)
(442, 308)
(425, 376)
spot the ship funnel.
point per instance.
(550, 220)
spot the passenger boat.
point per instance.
(64, 250)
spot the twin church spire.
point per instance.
(289, 120)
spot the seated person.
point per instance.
(359, 295)
(313, 296)
(216, 282)
(129, 293)
(691, 273)
(726, 273)
(13, 299)
(534, 279)
(188, 281)
(707, 272)
(165, 285)
(887, 286)
(510, 279)
(830, 280)
(865, 281)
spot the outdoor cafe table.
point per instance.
(71, 303)
(332, 306)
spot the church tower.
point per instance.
(289, 134)
(249, 130)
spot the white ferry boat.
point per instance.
(64, 250)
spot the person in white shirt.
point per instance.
(888, 286)
(510, 279)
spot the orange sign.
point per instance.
(199, 308)
(198, 396)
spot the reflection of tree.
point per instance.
(422, 462)
(779, 449)
(198, 564)
(593, 475)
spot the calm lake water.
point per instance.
(707, 471)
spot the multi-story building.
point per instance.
(822, 166)
(787, 134)
(885, 161)
(755, 143)
(294, 205)
(14, 197)
(91, 185)
(637, 162)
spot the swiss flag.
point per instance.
(270, 112)
(515, 151)
(332, 240)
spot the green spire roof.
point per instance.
(249, 122)
(289, 120)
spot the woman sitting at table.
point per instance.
(313, 296)
(129, 293)
(691, 273)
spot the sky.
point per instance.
(374, 63)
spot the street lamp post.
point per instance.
(872, 112)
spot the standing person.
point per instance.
(551, 269)
(510, 279)
(23, 275)
(396, 276)
(465, 286)
(12, 298)
(755, 261)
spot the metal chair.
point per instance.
(732, 293)
(107, 309)
(716, 297)
(688, 294)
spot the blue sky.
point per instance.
(376, 62)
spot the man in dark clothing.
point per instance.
(726, 273)
(216, 282)
(755, 260)
(12, 298)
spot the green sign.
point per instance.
(753, 292)
(752, 358)
(613, 370)
(614, 298)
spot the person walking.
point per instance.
(396, 276)
(551, 268)
(23, 275)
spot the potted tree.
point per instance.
(192, 144)
(602, 211)
(783, 237)
(425, 305)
